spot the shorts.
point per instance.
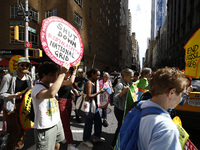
(46, 139)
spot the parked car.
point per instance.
(190, 111)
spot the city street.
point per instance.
(107, 133)
(77, 131)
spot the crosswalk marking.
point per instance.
(77, 131)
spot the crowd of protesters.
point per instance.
(58, 87)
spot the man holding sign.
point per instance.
(48, 129)
(12, 90)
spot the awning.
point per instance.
(5, 62)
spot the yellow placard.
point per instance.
(183, 135)
(192, 56)
(13, 63)
(177, 120)
(25, 108)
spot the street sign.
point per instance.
(28, 44)
(20, 13)
(31, 30)
(28, 13)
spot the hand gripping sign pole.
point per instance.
(61, 41)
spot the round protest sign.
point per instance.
(104, 100)
(13, 63)
(25, 109)
(61, 41)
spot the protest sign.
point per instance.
(61, 41)
(185, 142)
(13, 63)
(25, 109)
(104, 98)
(192, 56)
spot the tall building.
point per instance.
(158, 14)
(125, 44)
(97, 21)
(153, 19)
(161, 12)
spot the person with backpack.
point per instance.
(149, 125)
(11, 92)
(48, 129)
(121, 90)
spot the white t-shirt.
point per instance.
(158, 131)
(47, 112)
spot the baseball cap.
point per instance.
(80, 70)
(23, 59)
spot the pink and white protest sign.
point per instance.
(61, 41)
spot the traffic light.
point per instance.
(14, 31)
(37, 53)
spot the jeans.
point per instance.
(119, 116)
(104, 113)
(88, 126)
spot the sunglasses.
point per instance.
(23, 65)
(185, 97)
(80, 72)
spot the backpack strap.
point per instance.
(43, 85)
(152, 111)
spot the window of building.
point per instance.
(78, 20)
(52, 12)
(90, 30)
(14, 9)
(90, 47)
(13, 12)
(100, 10)
(79, 2)
(100, 24)
(100, 52)
(96, 35)
(33, 38)
(35, 15)
(90, 13)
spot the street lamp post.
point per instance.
(26, 27)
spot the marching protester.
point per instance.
(105, 82)
(91, 92)
(143, 82)
(12, 90)
(48, 129)
(121, 90)
(65, 105)
(79, 85)
(168, 87)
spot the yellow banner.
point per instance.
(192, 56)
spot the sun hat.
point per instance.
(23, 59)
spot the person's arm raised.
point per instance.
(53, 90)
(72, 78)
